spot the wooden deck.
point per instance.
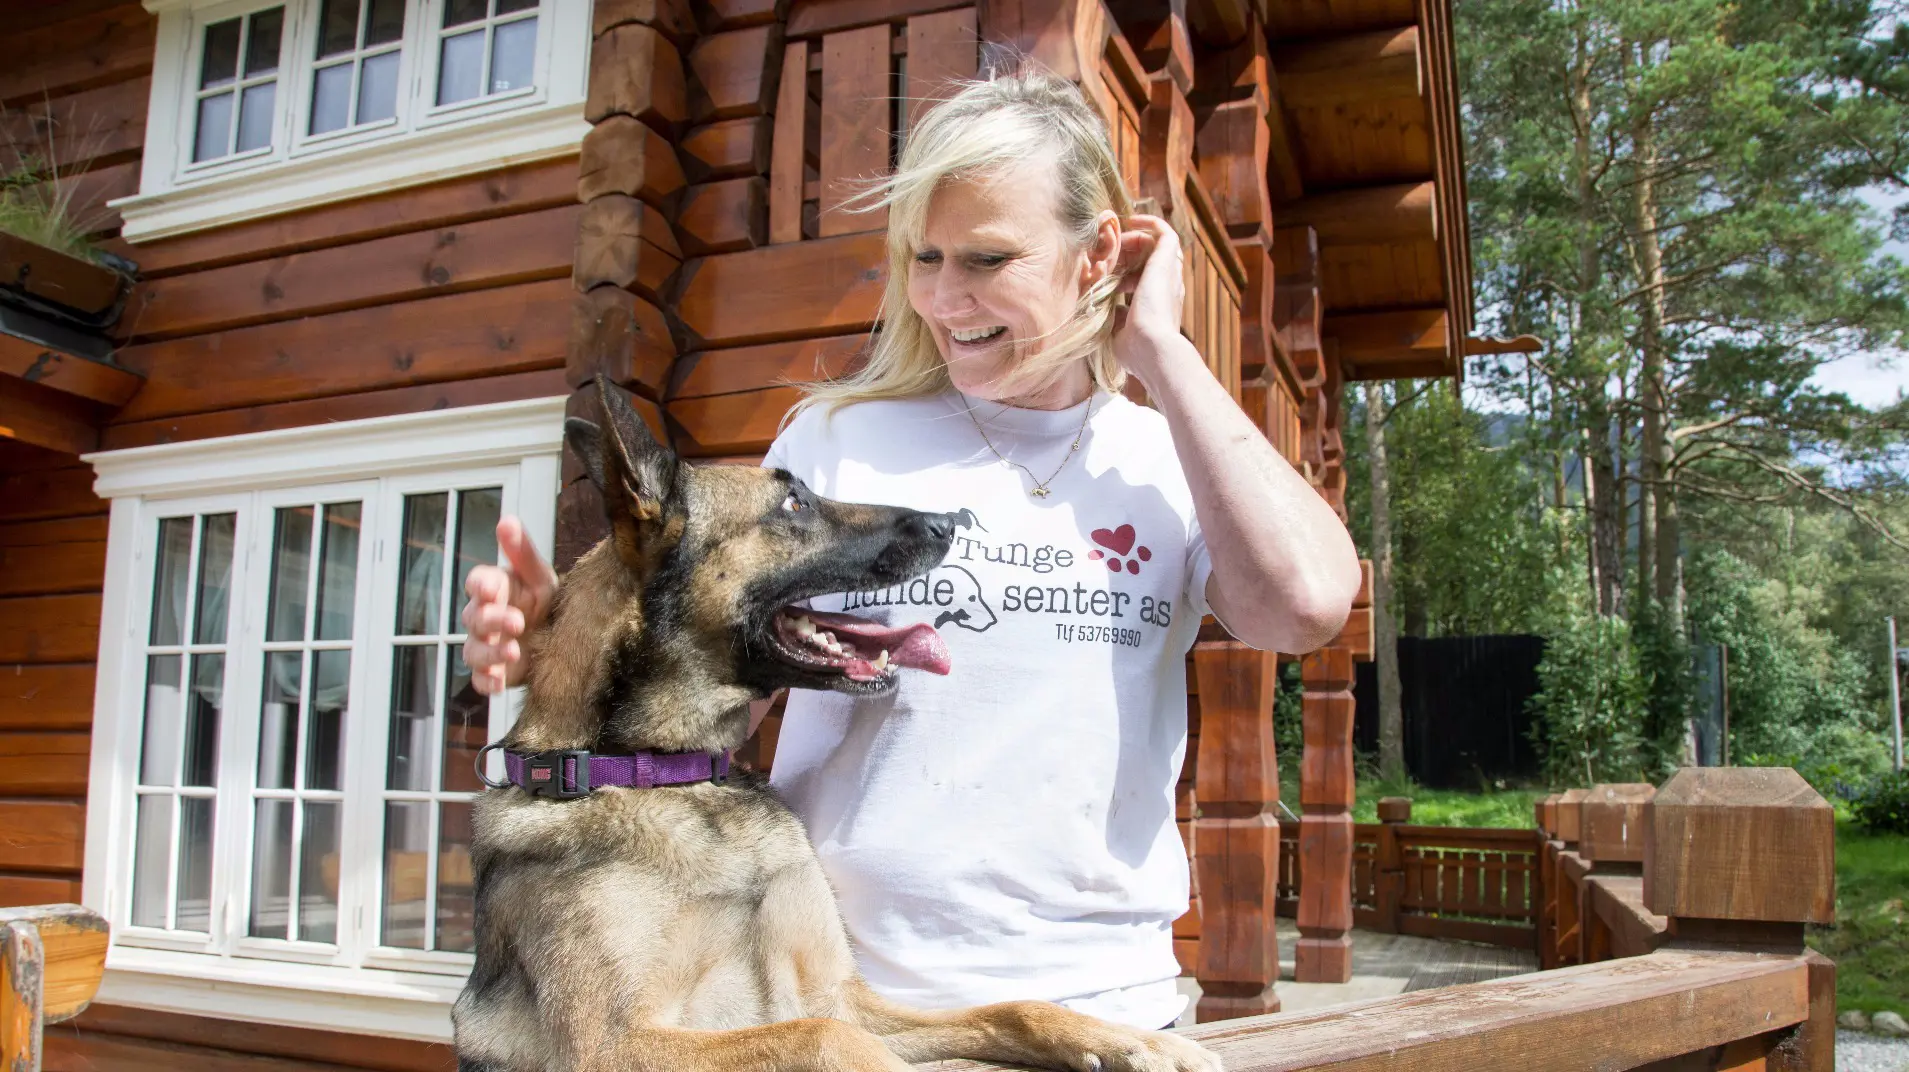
(1384, 965)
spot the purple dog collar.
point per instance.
(570, 773)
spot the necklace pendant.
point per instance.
(1040, 493)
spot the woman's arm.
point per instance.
(1285, 571)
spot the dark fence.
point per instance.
(1464, 705)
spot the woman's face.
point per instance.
(996, 274)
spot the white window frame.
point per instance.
(354, 984)
(425, 142)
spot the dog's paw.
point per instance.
(1123, 1050)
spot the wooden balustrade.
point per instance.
(51, 960)
(1694, 951)
(1471, 884)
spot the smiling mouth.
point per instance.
(977, 336)
(865, 652)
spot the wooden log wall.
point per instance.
(443, 295)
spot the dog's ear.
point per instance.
(637, 475)
(586, 442)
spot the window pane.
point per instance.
(459, 12)
(421, 570)
(513, 55)
(378, 88)
(152, 858)
(325, 722)
(461, 67)
(337, 27)
(255, 116)
(456, 894)
(477, 514)
(278, 719)
(505, 7)
(261, 47)
(195, 865)
(215, 579)
(220, 64)
(466, 727)
(291, 556)
(318, 873)
(272, 871)
(202, 720)
(386, 22)
(338, 571)
(215, 128)
(170, 580)
(331, 98)
(159, 746)
(413, 701)
(407, 840)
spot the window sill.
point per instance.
(368, 1001)
(371, 167)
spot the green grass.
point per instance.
(1869, 942)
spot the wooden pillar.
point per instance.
(1237, 831)
(1745, 858)
(630, 182)
(1389, 861)
(1324, 951)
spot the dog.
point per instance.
(688, 926)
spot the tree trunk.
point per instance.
(1601, 488)
(1607, 516)
(1386, 634)
(1654, 454)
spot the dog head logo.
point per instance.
(969, 608)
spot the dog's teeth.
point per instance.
(881, 662)
(803, 626)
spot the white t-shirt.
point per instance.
(1007, 831)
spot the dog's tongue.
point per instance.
(917, 646)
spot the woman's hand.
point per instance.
(505, 605)
(1153, 275)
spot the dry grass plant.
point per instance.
(42, 175)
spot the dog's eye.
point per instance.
(792, 504)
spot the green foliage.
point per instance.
(1870, 940)
(1591, 704)
(1480, 550)
(1881, 806)
(1796, 693)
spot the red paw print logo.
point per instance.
(1117, 543)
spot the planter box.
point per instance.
(88, 290)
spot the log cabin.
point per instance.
(364, 255)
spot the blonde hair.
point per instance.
(988, 128)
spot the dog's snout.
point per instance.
(929, 526)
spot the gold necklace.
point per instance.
(1040, 486)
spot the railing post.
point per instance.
(1388, 862)
(1544, 880)
(1323, 953)
(22, 995)
(1611, 822)
(1745, 857)
(1236, 831)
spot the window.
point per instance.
(281, 800)
(260, 107)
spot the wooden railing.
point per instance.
(51, 960)
(1732, 863)
(1476, 884)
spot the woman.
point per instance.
(1007, 831)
